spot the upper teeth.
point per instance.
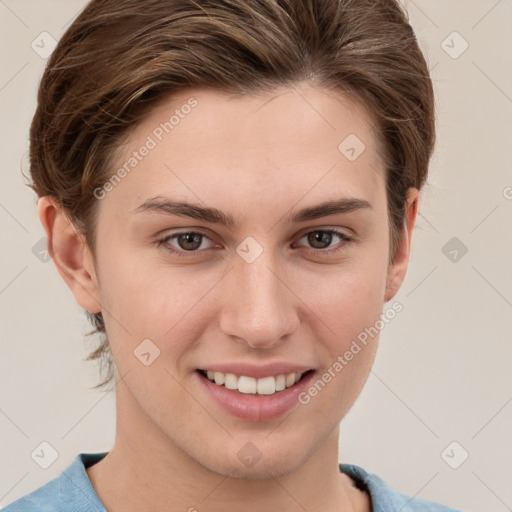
(244, 384)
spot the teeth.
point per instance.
(250, 385)
(219, 378)
(247, 384)
(280, 383)
(231, 382)
(266, 386)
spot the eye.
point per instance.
(187, 241)
(190, 243)
(320, 238)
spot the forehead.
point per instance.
(291, 142)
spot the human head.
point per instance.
(118, 60)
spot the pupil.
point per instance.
(320, 236)
(190, 238)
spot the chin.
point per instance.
(261, 470)
(248, 463)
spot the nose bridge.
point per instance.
(260, 309)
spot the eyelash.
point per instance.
(186, 254)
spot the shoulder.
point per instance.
(385, 499)
(70, 491)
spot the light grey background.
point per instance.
(442, 372)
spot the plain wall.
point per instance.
(442, 372)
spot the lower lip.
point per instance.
(253, 407)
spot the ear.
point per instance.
(70, 254)
(398, 267)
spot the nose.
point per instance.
(260, 308)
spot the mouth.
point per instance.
(243, 384)
(255, 393)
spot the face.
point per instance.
(244, 245)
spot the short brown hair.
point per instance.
(120, 57)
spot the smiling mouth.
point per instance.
(251, 385)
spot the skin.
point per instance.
(258, 158)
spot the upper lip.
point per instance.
(257, 371)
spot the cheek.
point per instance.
(350, 298)
(350, 307)
(150, 300)
(350, 303)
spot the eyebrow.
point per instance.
(159, 204)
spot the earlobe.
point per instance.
(70, 254)
(398, 267)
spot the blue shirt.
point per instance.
(72, 491)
